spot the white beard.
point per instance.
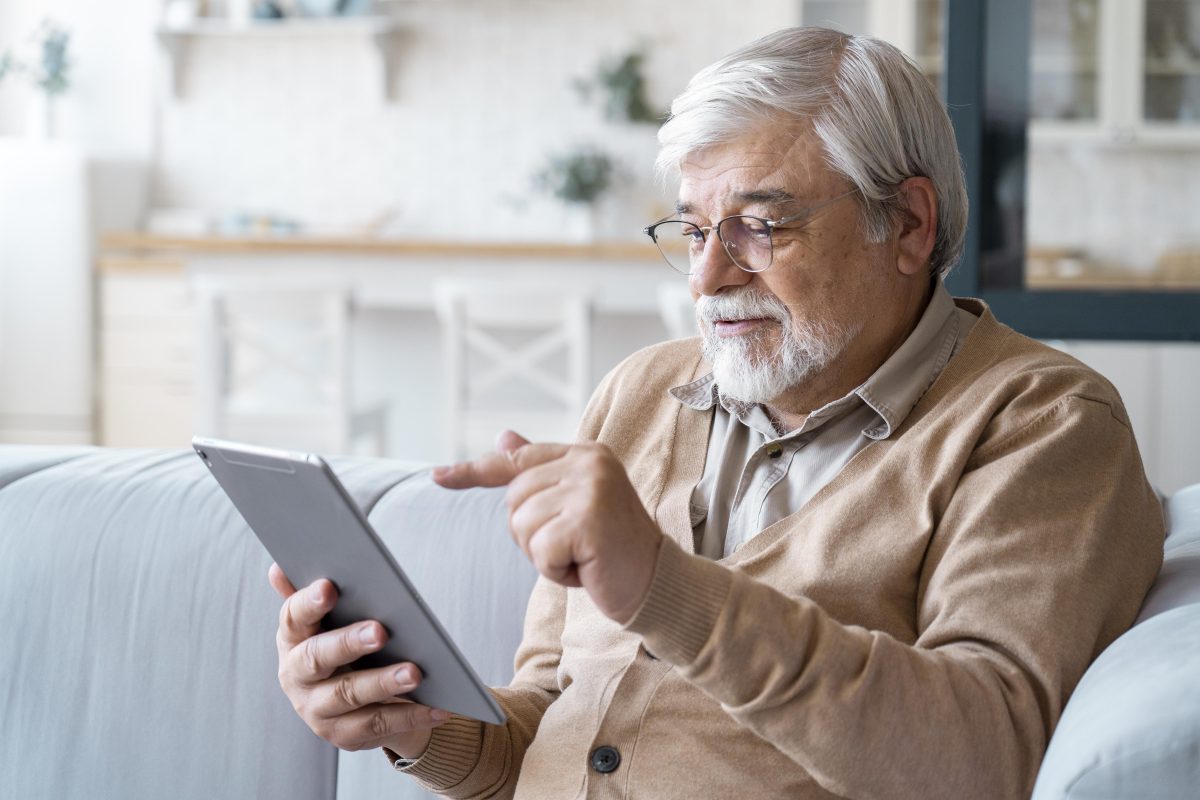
(745, 367)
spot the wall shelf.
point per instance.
(383, 33)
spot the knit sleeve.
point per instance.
(1040, 558)
(471, 759)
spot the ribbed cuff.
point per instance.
(680, 611)
(452, 752)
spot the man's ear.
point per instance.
(918, 225)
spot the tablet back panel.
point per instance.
(312, 528)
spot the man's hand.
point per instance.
(573, 511)
(354, 710)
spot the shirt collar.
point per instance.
(894, 388)
(891, 391)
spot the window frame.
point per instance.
(986, 52)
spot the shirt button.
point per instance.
(775, 451)
(605, 759)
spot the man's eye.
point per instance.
(755, 227)
(693, 233)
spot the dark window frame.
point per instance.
(985, 74)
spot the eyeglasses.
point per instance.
(747, 239)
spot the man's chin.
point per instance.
(760, 383)
(756, 346)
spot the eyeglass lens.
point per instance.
(747, 241)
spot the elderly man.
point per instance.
(861, 540)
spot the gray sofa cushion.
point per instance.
(137, 657)
(1178, 584)
(17, 461)
(1132, 727)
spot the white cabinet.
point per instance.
(1160, 384)
(45, 294)
(146, 354)
(1116, 72)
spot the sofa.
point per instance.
(137, 655)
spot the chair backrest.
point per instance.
(677, 309)
(270, 352)
(518, 355)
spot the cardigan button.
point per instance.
(605, 759)
(775, 452)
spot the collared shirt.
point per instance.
(754, 477)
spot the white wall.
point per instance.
(1159, 384)
(483, 93)
(1123, 207)
(108, 109)
(298, 128)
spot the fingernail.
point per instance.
(438, 715)
(404, 676)
(441, 472)
(316, 597)
(367, 636)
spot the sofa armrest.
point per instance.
(1132, 727)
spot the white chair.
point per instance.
(275, 368)
(677, 309)
(518, 356)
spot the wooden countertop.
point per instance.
(121, 243)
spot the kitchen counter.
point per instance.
(134, 242)
(622, 277)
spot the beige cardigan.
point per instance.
(912, 632)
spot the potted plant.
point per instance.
(580, 179)
(50, 73)
(622, 90)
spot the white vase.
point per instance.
(240, 13)
(42, 120)
(582, 223)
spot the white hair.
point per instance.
(875, 113)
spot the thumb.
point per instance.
(507, 441)
(280, 582)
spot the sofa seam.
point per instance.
(53, 465)
(368, 508)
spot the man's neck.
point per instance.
(784, 425)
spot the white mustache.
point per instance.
(741, 303)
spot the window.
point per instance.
(1079, 125)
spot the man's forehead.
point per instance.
(763, 160)
(752, 171)
(742, 156)
(769, 195)
(762, 144)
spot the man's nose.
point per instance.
(714, 270)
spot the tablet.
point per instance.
(313, 529)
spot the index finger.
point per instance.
(302, 612)
(497, 469)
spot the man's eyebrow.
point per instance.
(766, 197)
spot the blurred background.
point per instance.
(394, 228)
